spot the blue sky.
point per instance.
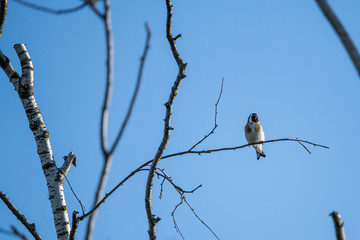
(280, 59)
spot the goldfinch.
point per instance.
(254, 133)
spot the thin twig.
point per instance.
(30, 227)
(166, 135)
(215, 118)
(197, 216)
(133, 99)
(3, 10)
(184, 153)
(161, 187)
(304, 147)
(339, 225)
(18, 233)
(341, 32)
(182, 196)
(179, 189)
(173, 217)
(50, 10)
(72, 190)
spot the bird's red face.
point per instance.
(254, 118)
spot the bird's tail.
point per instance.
(262, 154)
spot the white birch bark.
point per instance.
(24, 86)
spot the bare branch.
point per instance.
(75, 224)
(72, 190)
(341, 32)
(68, 160)
(109, 77)
(183, 199)
(18, 233)
(161, 187)
(140, 168)
(108, 154)
(339, 225)
(105, 110)
(30, 227)
(304, 147)
(24, 87)
(112, 191)
(166, 136)
(95, 10)
(131, 106)
(174, 220)
(50, 10)
(215, 118)
(197, 216)
(243, 146)
(3, 10)
(177, 188)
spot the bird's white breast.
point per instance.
(253, 135)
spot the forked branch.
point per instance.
(141, 167)
(107, 153)
(152, 220)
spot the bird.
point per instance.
(254, 133)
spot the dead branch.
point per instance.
(50, 10)
(75, 224)
(339, 225)
(166, 135)
(341, 32)
(30, 227)
(69, 160)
